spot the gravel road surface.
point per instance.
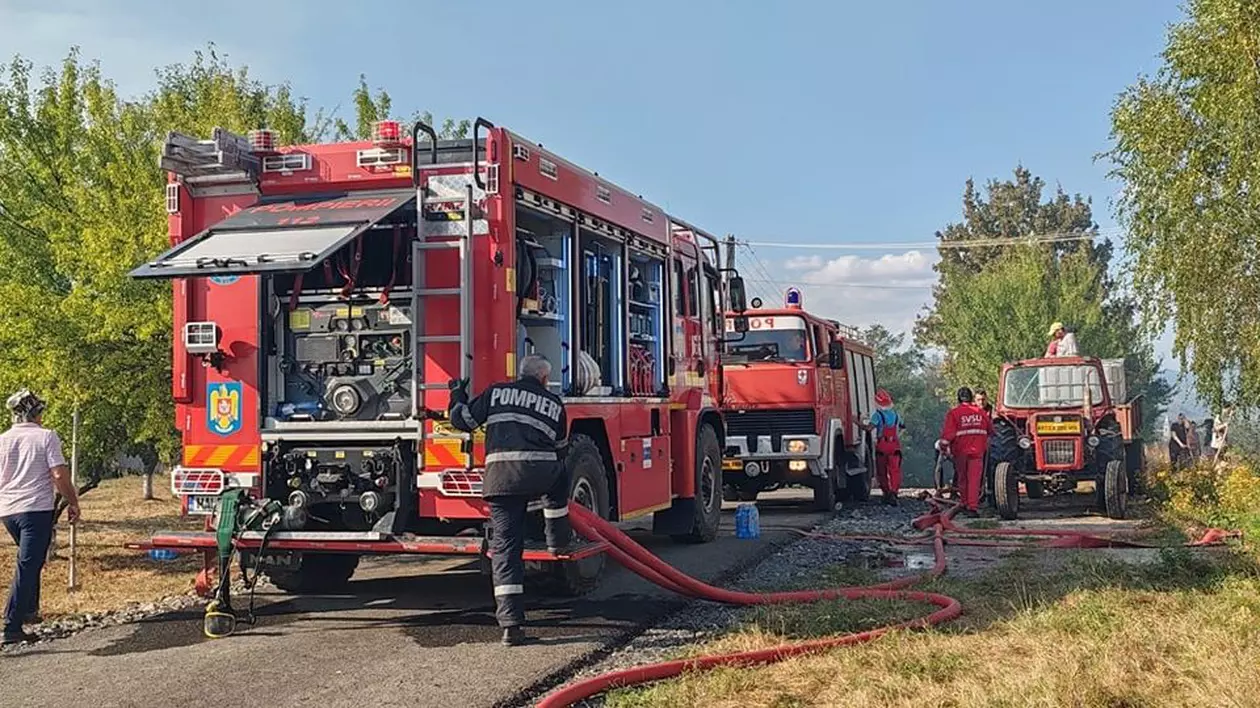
(410, 632)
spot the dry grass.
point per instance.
(1182, 631)
(110, 576)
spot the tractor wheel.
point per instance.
(315, 573)
(1004, 444)
(1115, 489)
(588, 482)
(1110, 449)
(1006, 490)
(708, 514)
(1036, 490)
(1134, 463)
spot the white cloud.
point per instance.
(891, 289)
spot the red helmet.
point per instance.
(882, 398)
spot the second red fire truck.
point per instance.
(324, 295)
(797, 389)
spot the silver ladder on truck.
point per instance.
(453, 199)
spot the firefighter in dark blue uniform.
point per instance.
(526, 432)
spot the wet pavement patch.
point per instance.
(184, 629)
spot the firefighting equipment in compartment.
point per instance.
(237, 514)
(587, 375)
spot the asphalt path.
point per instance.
(408, 632)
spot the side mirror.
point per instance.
(738, 297)
(836, 358)
(740, 323)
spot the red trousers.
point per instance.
(969, 473)
(888, 471)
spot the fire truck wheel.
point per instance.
(316, 573)
(825, 491)
(588, 487)
(1115, 492)
(1006, 490)
(708, 508)
(858, 486)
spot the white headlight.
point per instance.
(1025, 442)
(1093, 441)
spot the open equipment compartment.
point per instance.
(544, 324)
(601, 314)
(646, 351)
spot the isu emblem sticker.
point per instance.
(224, 279)
(802, 376)
(223, 407)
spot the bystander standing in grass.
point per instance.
(32, 467)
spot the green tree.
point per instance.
(1184, 148)
(918, 389)
(370, 107)
(994, 304)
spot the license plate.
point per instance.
(203, 504)
(1051, 428)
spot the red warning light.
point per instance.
(386, 132)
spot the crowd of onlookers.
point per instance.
(1190, 441)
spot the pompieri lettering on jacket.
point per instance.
(525, 399)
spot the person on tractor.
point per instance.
(887, 424)
(982, 402)
(1062, 342)
(965, 438)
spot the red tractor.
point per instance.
(1058, 422)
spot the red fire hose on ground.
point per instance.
(639, 560)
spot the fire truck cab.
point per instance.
(797, 388)
(325, 295)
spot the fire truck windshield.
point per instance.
(768, 339)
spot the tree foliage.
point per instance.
(1185, 143)
(995, 304)
(918, 390)
(81, 204)
(370, 107)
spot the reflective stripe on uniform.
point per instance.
(522, 419)
(971, 431)
(556, 513)
(520, 456)
(466, 415)
(501, 590)
(562, 442)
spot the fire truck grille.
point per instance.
(1059, 452)
(776, 424)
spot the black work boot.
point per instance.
(514, 636)
(22, 638)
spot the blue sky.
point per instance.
(797, 121)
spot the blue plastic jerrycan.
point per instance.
(747, 521)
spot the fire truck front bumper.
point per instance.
(800, 452)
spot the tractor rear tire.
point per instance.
(1036, 490)
(1114, 487)
(588, 486)
(708, 499)
(315, 573)
(1006, 490)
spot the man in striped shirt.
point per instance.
(32, 467)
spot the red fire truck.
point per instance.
(797, 387)
(324, 295)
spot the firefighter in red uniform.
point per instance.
(887, 425)
(966, 438)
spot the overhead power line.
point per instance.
(859, 286)
(1066, 237)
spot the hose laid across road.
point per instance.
(639, 560)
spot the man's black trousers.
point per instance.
(507, 544)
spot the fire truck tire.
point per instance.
(708, 507)
(858, 486)
(1036, 490)
(825, 491)
(316, 573)
(588, 482)
(1114, 487)
(1006, 490)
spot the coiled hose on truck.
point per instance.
(638, 559)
